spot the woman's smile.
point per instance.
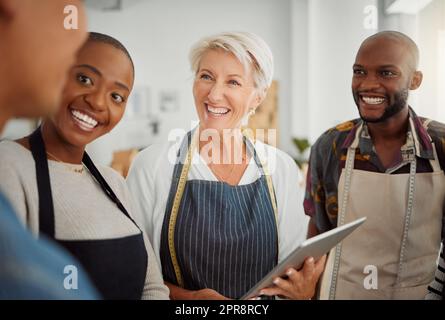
(82, 120)
(217, 111)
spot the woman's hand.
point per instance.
(300, 285)
(178, 293)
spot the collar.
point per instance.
(417, 138)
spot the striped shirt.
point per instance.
(436, 288)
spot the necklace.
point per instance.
(225, 177)
(76, 169)
(221, 178)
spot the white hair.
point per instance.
(247, 47)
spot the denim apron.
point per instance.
(215, 235)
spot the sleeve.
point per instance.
(436, 288)
(140, 181)
(436, 131)
(154, 288)
(441, 155)
(13, 189)
(32, 269)
(292, 222)
(314, 200)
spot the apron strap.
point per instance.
(250, 148)
(409, 211)
(180, 173)
(349, 167)
(105, 186)
(46, 206)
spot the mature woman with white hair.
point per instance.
(221, 222)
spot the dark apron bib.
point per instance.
(118, 266)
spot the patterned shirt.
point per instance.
(436, 290)
(328, 157)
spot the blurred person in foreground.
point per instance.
(36, 52)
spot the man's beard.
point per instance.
(400, 101)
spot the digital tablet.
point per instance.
(314, 247)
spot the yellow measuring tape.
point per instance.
(178, 198)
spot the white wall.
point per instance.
(431, 23)
(336, 30)
(407, 24)
(424, 28)
(299, 68)
(159, 34)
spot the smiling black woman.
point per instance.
(58, 191)
(388, 166)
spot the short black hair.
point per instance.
(104, 38)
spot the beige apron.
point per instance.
(396, 249)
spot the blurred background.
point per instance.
(314, 43)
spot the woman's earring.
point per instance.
(245, 120)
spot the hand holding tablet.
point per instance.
(315, 247)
